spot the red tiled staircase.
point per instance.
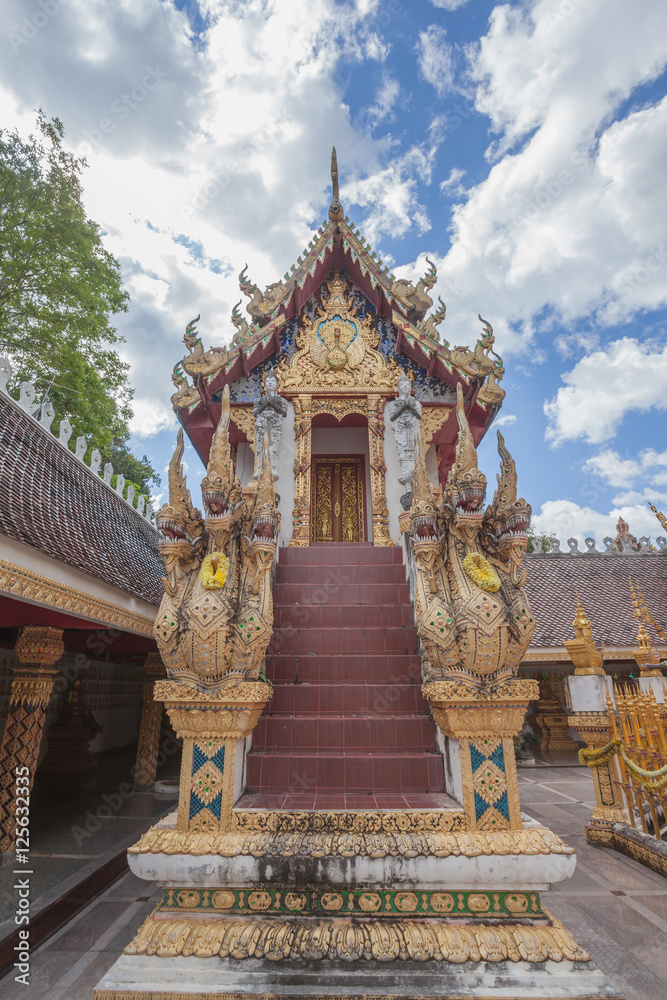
(347, 726)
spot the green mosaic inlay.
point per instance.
(342, 902)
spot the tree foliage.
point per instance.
(539, 542)
(59, 289)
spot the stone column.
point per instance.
(380, 513)
(151, 722)
(38, 650)
(484, 731)
(213, 729)
(302, 424)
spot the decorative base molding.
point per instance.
(538, 939)
(642, 847)
(152, 978)
(348, 835)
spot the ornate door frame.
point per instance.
(359, 461)
(305, 408)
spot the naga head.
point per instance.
(466, 485)
(265, 519)
(179, 523)
(220, 488)
(424, 511)
(507, 519)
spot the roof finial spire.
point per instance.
(335, 209)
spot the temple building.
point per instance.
(347, 633)
(332, 337)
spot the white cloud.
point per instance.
(150, 418)
(616, 471)
(200, 176)
(452, 185)
(648, 470)
(505, 420)
(385, 100)
(449, 4)
(603, 387)
(567, 519)
(391, 194)
(435, 58)
(568, 222)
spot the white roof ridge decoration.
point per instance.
(47, 414)
(554, 548)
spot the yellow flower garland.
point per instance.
(214, 571)
(654, 781)
(481, 572)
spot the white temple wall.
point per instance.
(245, 463)
(393, 489)
(347, 441)
(431, 464)
(285, 482)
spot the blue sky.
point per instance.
(521, 146)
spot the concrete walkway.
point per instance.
(615, 908)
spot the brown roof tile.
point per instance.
(602, 583)
(49, 500)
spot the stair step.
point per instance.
(331, 641)
(359, 554)
(346, 699)
(353, 594)
(342, 616)
(301, 733)
(304, 801)
(334, 580)
(318, 668)
(354, 771)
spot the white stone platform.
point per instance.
(158, 978)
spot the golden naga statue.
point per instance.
(414, 299)
(472, 615)
(216, 616)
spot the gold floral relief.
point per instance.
(337, 513)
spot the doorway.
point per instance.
(338, 486)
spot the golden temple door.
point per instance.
(337, 499)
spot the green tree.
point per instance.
(59, 289)
(539, 542)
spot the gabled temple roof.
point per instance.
(51, 500)
(601, 580)
(337, 246)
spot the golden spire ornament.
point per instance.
(660, 516)
(583, 652)
(335, 208)
(645, 655)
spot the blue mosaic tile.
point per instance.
(502, 805)
(219, 759)
(196, 805)
(216, 805)
(498, 757)
(476, 758)
(198, 758)
(480, 806)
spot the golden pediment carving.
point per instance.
(337, 350)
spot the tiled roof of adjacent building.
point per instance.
(601, 580)
(50, 500)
